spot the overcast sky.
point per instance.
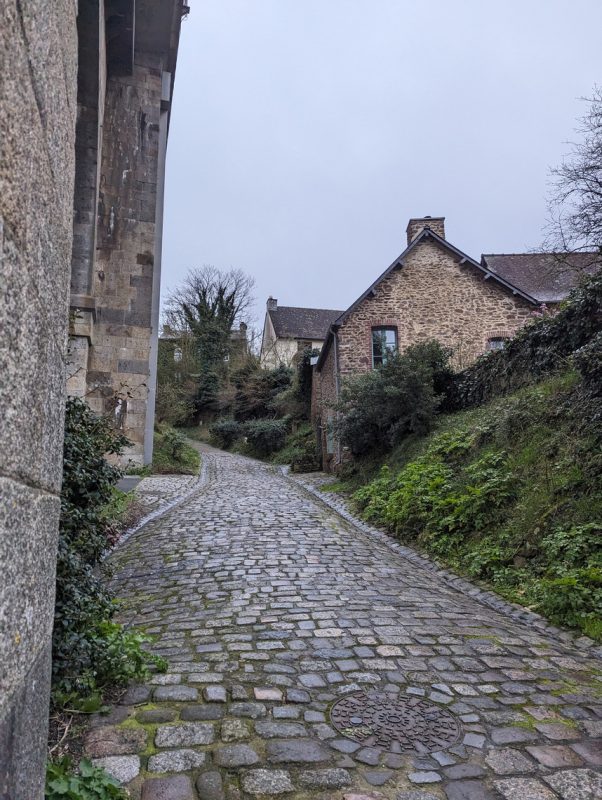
(305, 133)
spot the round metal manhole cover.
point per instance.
(396, 724)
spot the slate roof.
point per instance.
(302, 323)
(547, 277)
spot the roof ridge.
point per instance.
(306, 308)
(545, 253)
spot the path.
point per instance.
(269, 607)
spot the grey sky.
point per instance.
(305, 133)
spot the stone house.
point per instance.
(433, 290)
(289, 330)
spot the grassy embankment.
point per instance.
(509, 493)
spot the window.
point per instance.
(496, 343)
(384, 345)
(330, 434)
(177, 354)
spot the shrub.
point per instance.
(172, 454)
(572, 599)
(300, 450)
(174, 442)
(257, 390)
(63, 782)
(538, 349)
(379, 408)
(85, 643)
(266, 436)
(225, 432)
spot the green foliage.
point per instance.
(85, 643)
(225, 432)
(300, 450)
(377, 409)
(123, 658)
(510, 493)
(257, 390)
(177, 366)
(572, 599)
(266, 436)
(172, 454)
(540, 348)
(87, 783)
(82, 601)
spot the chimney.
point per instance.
(272, 303)
(417, 224)
(243, 327)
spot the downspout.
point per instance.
(337, 386)
(156, 290)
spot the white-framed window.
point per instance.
(496, 343)
(177, 354)
(384, 344)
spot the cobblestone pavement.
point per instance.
(158, 491)
(272, 611)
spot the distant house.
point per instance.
(173, 343)
(288, 330)
(433, 290)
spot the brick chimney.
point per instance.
(272, 304)
(417, 224)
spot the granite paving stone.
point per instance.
(235, 755)
(187, 733)
(267, 782)
(210, 786)
(176, 787)
(123, 768)
(578, 784)
(176, 761)
(523, 789)
(270, 602)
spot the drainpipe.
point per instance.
(156, 291)
(337, 386)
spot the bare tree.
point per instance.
(209, 293)
(575, 200)
(201, 314)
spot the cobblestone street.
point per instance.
(270, 608)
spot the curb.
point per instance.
(200, 483)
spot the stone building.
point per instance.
(433, 291)
(102, 126)
(287, 330)
(127, 60)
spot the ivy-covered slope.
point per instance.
(511, 494)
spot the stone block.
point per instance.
(297, 751)
(184, 735)
(123, 768)
(28, 541)
(177, 787)
(114, 741)
(267, 782)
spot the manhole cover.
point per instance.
(396, 724)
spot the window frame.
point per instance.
(387, 351)
(497, 339)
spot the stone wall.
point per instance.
(124, 95)
(38, 47)
(324, 396)
(122, 281)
